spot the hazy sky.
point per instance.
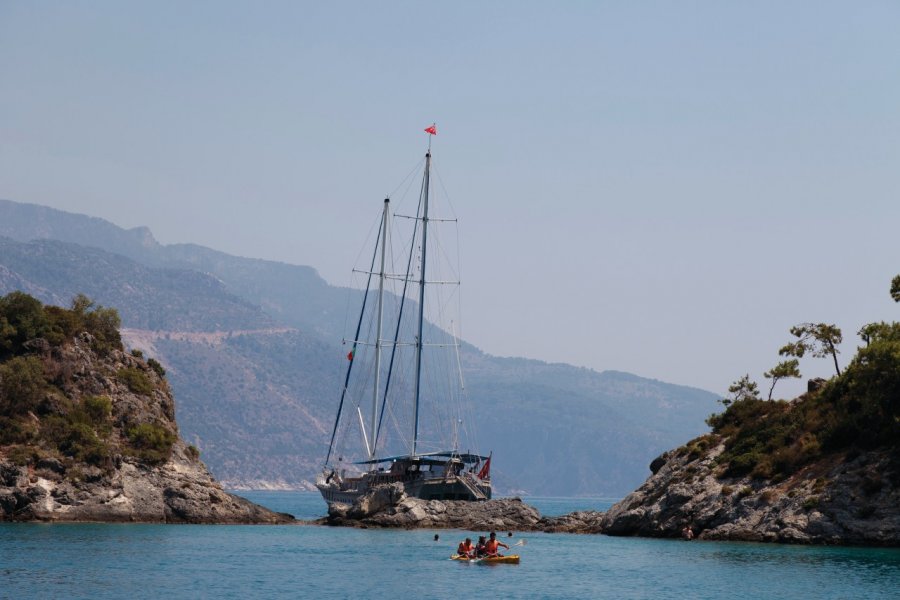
(662, 188)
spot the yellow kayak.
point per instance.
(512, 559)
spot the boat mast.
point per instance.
(419, 344)
(352, 354)
(384, 229)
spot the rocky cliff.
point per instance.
(823, 468)
(844, 498)
(87, 431)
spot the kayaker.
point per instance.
(466, 548)
(480, 547)
(492, 546)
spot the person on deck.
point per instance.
(493, 545)
(466, 548)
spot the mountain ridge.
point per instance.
(294, 373)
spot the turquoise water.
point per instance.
(217, 561)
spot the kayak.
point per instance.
(512, 559)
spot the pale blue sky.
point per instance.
(657, 187)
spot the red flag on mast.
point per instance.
(432, 130)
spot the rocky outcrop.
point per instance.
(389, 506)
(101, 445)
(179, 491)
(842, 499)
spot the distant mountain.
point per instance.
(295, 295)
(147, 298)
(252, 346)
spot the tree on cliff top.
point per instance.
(742, 389)
(857, 409)
(784, 369)
(819, 339)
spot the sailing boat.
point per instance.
(396, 383)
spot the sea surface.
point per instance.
(223, 561)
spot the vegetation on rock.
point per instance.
(45, 412)
(856, 410)
(23, 318)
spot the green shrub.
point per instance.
(810, 503)
(769, 440)
(136, 380)
(21, 455)
(865, 400)
(193, 452)
(81, 443)
(97, 408)
(22, 318)
(156, 366)
(137, 353)
(22, 384)
(764, 469)
(102, 323)
(15, 431)
(727, 490)
(151, 442)
(743, 463)
(64, 324)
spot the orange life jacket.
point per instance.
(463, 548)
(492, 546)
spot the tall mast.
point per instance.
(384, 229)
(419, 344)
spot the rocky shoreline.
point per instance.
(179, 491)
(841, 501)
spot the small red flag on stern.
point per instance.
(485, 471)
(432, 130)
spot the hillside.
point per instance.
(258, 391)
(87, 432)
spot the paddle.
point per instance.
(520, 543)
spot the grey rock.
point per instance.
(389, 506)
(815, 384)
(658, 462)
(51, 464)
